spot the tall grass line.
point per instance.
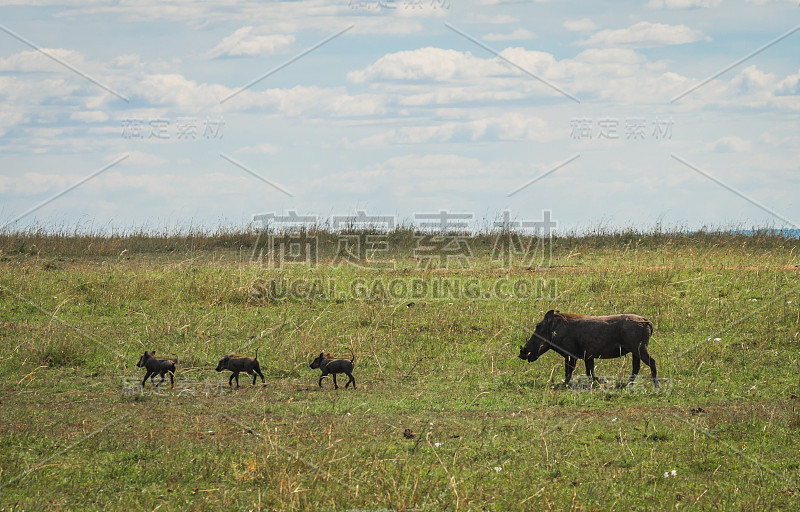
(64, 242)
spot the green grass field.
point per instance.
(489, 431)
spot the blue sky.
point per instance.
(406, 112)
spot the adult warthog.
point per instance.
(591, 337)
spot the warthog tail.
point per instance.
(651, 327)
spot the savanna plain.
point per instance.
(445, 415)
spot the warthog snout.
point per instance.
(531, 350)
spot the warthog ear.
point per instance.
(549, 314)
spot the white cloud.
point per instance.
(276, 17)
(754, 82)
(506, 2)
(427, 63)
(388, 25)
(266, 148)
(172, 186)
(766, 162)
(730, 144)
(581, 25)
(311, 101)
(318, 101)
(682, 4)
(36, 79)
(114, 130)
(516, 35)
(10, 118)
(89, 116)
(128, 60)
(497, 19)
(21, 91)
(31, 61)
(486, 90)
(175, 90)
(439, 165)
(179, 187)
(645, 34)
(763, 2)
(784, 135)
(507, 126)
(789, 85)
(401, 80)
(46, 132)
(192, 98)
(415, 177)
(619, 74)
(144, 159)
(423, 100)
(31, 183)
(245, 43)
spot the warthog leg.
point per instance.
(569, 367)
(590, 368)
(644, 356)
